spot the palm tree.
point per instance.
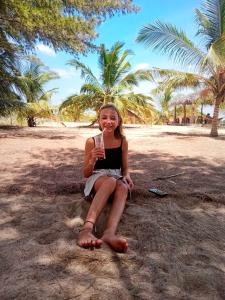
(209, 64)
(114, 85)
(165, 96)
(9, 85)
(205, 97)
(32, 80)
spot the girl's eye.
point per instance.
(112, 118)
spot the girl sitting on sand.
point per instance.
(107, 172)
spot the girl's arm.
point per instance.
(89, 158)
(125, 171)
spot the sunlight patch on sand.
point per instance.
(9, 234)
(74, 222)
(45, 260)
(6, 219)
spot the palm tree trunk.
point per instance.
(202, 113)
(185, 114)
(214, 129)
(175, 115)
(31, 122)
(10, 119)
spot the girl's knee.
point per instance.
(121, 187)
(111, 182)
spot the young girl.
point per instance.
(107, 172)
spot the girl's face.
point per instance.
(108, 119)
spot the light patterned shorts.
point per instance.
(116, 173)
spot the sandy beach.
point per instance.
(176, 243)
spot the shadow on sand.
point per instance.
(176, 243)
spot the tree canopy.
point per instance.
(67, 25)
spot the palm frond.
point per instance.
(216, 52)
(167, 39)
(211, 21)
(158, 73)
(124, 56)
(113, 65)
(138, 105)
(86, 72)
(133, 79)
(7, 106)
(82, 102)
(121, 70)
(143, 75)
(90, 89)
(47, 95)
(33, 77)
(129, 80)
(173, 80)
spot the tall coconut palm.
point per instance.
(32, 80)
(209, 64)
(114, 85)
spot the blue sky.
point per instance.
(123, 28)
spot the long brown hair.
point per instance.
(118, 133)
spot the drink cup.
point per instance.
(100, 144)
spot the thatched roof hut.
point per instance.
(132, 117)
(183, 100)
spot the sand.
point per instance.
(176, 243)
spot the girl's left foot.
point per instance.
(119, 244)
(87, 240)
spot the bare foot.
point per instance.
(119, 244)
(86, 239)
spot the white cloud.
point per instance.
(46, 50)
(66, 72)
(141, 66)
(144, 87)
(73, 91)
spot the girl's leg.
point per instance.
(119, 199)
(104, 187)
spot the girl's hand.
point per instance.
(97, 153)
(100, 153)
(128, 181)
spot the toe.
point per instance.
(89, 243)
(92, 243)
(98, 243)
(84, 244)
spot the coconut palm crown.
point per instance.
(114, 85)
(208, 64)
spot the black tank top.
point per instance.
(113, 159)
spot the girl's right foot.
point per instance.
(87, 240)
(117, 243)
